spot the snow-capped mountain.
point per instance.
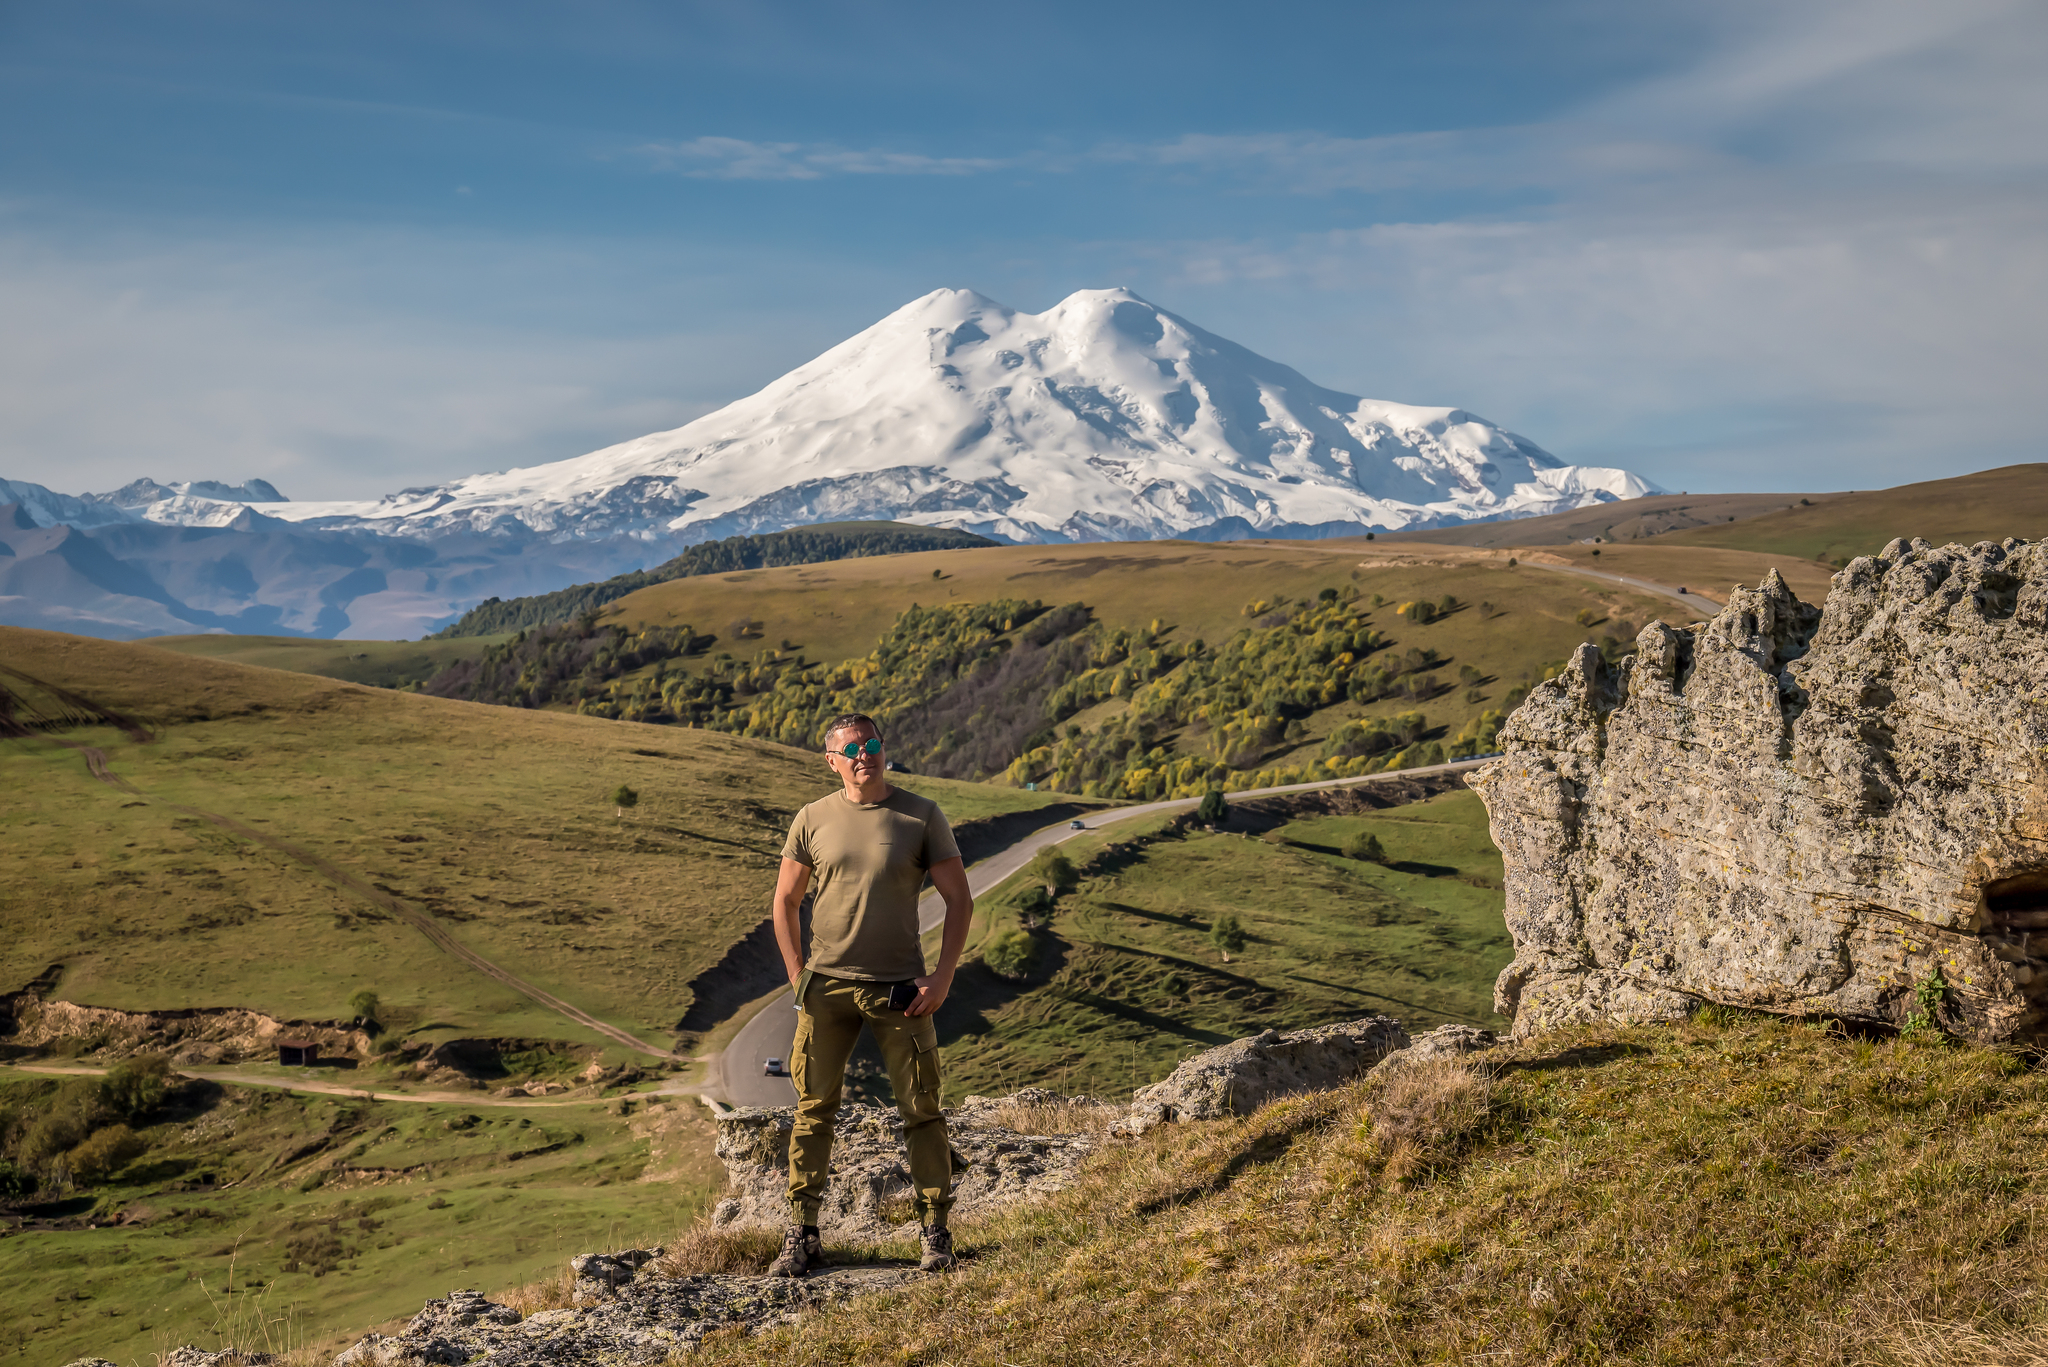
(1104, 418)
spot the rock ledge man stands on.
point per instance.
(1835, 812)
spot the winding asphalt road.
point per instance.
(741, 1080)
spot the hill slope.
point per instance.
(1728, 1190)
(1987, 506)
(495, 822)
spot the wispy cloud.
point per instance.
(713, 158)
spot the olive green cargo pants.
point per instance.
(831, 1012)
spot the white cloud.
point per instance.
(334, 365)
(716, 158)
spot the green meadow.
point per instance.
(1130, 976)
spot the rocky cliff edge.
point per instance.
(1828, 811)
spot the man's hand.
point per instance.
(931, 994)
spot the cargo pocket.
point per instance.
(926, 1070)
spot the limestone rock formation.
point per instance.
(1838, 811)
(1239, 1077)
(868, 1195)
(1446, 1041)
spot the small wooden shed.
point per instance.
(298, 1053)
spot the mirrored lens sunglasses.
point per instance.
(871, 746)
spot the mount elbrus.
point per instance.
(1837, 812)
(1104, 418)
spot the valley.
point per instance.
(365, 817)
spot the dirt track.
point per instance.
(96, 764)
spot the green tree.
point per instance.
(363, 1006)
(1214, 811)
(625, 798)
(105, 1153)
(1054, 871)
(1366, 848)
(1226, 934)
(1011, 955)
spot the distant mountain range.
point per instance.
(1104, 418)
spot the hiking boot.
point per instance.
(800, 1253)
(938, 1250)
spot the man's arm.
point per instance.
(950, 878)
(790, 885)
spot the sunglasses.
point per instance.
(871, 746)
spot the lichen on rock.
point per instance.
(1792, 809)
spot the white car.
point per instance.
(773, 1068)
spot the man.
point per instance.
(868, 847)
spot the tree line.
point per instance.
(800, 546)
(991, 690)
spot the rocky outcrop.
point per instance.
(1239, 1077)
(869, 1194)
(1838, 811)
(1446, 1041)
(646, 1320)
(200, 1035)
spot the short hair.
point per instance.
(847, 720)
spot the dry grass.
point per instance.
(1960, 1345)
(704, 1250)
(554, 1292)
(1725, 1191)
(1421, 1115)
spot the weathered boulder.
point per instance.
(1446, 1041)
(1239, 1077)
(1803, 810)
(868, 1196)
(597, 1275)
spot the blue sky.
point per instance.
(354, 247)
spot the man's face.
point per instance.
(862, 768)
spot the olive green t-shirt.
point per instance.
(868, 862)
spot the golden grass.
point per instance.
(1754, 1191)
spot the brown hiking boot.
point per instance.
(938, 1250)
(800, 1253)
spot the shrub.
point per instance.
(77, 1108)
(105, 1153)
(1226, 934)
(1366, 848)
(1034, 902)
(1214, 811)
(1011, 955)
(137, 1086)
(1588, 616)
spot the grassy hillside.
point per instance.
(324, 1215)
(1627, 520)
(1131, 976)
(1988, 506)
(1731, 1190)
(498, 822)
(1171, 667)
(384, 664)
